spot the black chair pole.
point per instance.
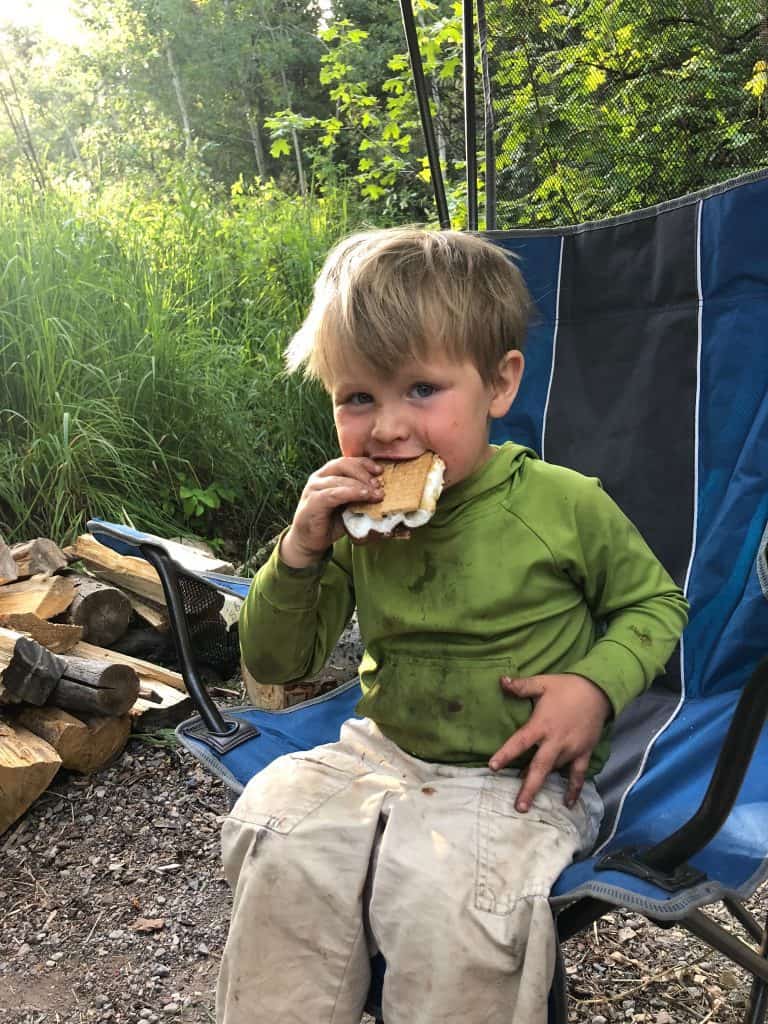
(470, 128)
(489, 121)
(420, 87)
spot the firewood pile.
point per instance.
(70, 690)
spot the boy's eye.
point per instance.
(423, 390)
(358, 398)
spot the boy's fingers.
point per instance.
(538, 770)
(516, 745)
(337, 490)
(530, 688)
(576, 777)
(358, 469)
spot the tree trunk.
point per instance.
(295, 138)
(258, 148)
(179, 98)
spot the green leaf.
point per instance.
(280, 147)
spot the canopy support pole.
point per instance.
(470, 130)
(420, 87)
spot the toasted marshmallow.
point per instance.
(411, 489)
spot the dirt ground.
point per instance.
(113, 908)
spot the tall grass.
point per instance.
(140, 350)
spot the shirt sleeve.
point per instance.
(640, 611)
(291, 619)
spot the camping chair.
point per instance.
(648, 367)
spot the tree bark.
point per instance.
(38, 556)
(97, 687)
(258, 147)
(295, 138)
(186, 126)
(32, 673)
(146, 671)
(103, 611)
(9, 571)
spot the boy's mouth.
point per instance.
(388, 457)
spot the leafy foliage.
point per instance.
(141, 349)
(612, 106)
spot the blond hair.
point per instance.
(391, 295)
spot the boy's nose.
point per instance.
(390, 426)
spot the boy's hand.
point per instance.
(317, 519)
(569, 712)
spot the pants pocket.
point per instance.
(519, 856)
(295, 786)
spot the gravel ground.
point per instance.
(113, 908)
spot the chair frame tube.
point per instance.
(489, 121)
(166, 570)
(470, 127)
(422, 100)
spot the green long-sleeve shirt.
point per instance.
(526, 568)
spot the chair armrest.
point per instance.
(729, 773)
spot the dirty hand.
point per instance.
(569, 712)
(317, 519)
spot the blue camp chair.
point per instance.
(648, 367)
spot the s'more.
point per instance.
(411, 489)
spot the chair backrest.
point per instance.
(648, 367)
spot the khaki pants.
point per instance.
(355, 847)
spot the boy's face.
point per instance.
(437, 405)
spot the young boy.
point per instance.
(500, 639)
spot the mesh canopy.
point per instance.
(597, 108)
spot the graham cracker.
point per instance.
(403, 484)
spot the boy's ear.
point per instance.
(510, 374)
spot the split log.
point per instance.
(154, 615)
(8, 640)
(145, 669)
(102, 610)
(27, 765)
(8, 569)
(44, 596)
(32, 672)
(96, 687)
(164, 710)
(126, 571)
(56, 636)
(38, 556)
(84, 744)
